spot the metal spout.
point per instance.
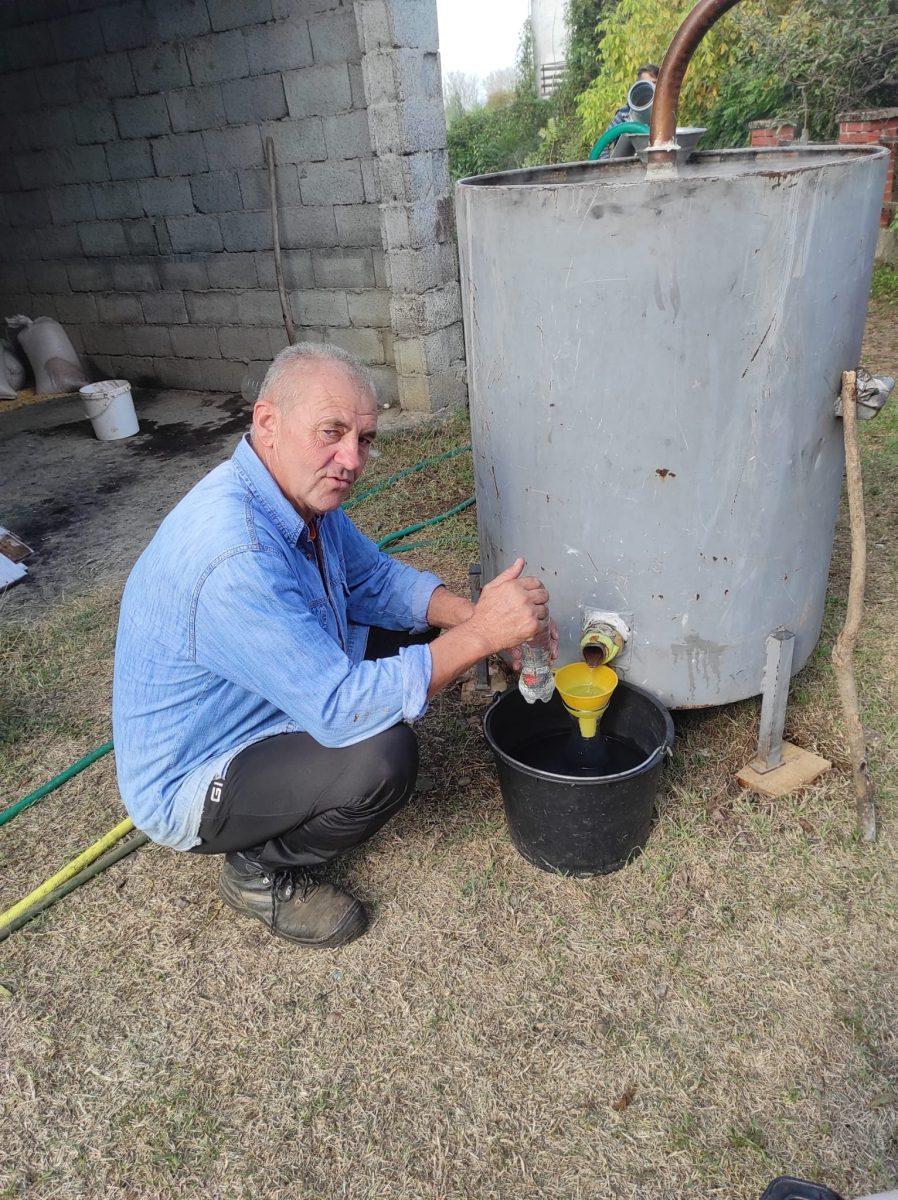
(602, 638)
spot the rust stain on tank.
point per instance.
(664, 472)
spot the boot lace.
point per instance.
(285, 884)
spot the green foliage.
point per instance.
(745, 95)
(637, 31)
(885, 284)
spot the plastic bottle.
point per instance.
(536, 681)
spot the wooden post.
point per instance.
(276, 239)
(843, 650)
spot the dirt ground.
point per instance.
(719, 1012)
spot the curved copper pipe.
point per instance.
(662, 133)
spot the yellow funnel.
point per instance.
(586, 692)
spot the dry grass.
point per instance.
(737, 982)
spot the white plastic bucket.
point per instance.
(111, 409)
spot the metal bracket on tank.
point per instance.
(774, 699)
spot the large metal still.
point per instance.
(653, 365)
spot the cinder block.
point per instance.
(101, 238)
(48, 277)
(180, 154)
(259, 98)
(370, 309)
(258, 308)
(246, 230)
(297, 270)
(243, 345)
(119, 308)
(233, 271)
(161, 68)
(138, 371)
(117, 200)
(93, 123)
(229, 148)
(27, 210)
(164, 308)
(386, 383)
(76, 310)
(193, 234)
(254, 187)
(411, 226)
(346, 135)
(43, 131)
(166, 197)
(297, 141)
(183, 19)
(142, 238)
(404, 177)
(55, 84)
(212, 308)
(423, 313)
(104, 339)
(280, 46)
(288, 8)
(105, 77)
(378, 76)
(78, 36)
(141, 116)
(357, 85)
(39, 168)
(343, 268)
(54, 242)
(191, 274)
(217, 192)
(417, 75)
(332, 183)
(196, 108)
(373, 23)
(334, 37)
(27, 46)
(129, 160)
(89, 276)
(308, 227)
(85, 164)
(12, 278)
(188, 341)
(415, 24)
(366, 344)
(321, 307)
(318, 91)
(218, 56)
(358, 224)
(44, 306)
(407, 127)
(233, 14)
(126, 26)
(422, 269)
(154, 340)
(133, 276)
(213, 375)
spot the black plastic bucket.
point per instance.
(579, 825)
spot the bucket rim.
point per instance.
(578, 780)
(104, 389)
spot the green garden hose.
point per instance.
(57, 781)
(612, 134)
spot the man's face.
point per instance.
(317, 444)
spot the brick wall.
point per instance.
(772, 133)
(135, 204)
(877, 126)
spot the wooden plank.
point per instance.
(799, 769)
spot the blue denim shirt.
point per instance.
(228, 633)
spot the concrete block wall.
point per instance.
(134, 202)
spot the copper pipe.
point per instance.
(662, 134)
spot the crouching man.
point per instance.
(269, 658)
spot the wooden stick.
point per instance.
(276, 235)
(843, 650)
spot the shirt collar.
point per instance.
(264, 487)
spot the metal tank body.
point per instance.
(653, 366)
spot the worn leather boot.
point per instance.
(293, 904)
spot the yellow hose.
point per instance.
(77, 864)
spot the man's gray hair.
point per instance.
(296, 361)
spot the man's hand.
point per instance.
(512, 609)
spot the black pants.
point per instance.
(288, 801)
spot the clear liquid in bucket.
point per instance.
(565, 752)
